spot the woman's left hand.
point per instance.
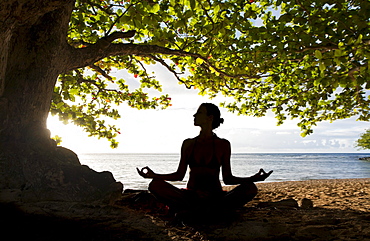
(146, 172)
(261, 175)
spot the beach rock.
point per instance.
(54, 175)
(306, 203)
(67, 156)
(365, 158)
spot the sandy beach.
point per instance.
(331, 210)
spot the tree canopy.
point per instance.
(364, 141)
(300, 59)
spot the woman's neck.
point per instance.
(206, 134)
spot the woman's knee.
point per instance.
(253, 188)
(156, 184)
(241, 195)
(245, 189)
(249, 189)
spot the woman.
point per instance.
(205, 155)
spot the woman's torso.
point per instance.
(204, 163)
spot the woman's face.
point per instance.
(201, 118)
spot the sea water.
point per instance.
(286, 166)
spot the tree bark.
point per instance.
(33, 59)
(34, 52)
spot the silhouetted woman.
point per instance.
(205, 155)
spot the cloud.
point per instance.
(328, 137)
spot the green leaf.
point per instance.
(155, 8)
(216, 9)
(359, 39)
(74, 91)
(59, 105)
(338, 53)
(322, 66)
(199, 61)
(192, 4)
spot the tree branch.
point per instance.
(162, 62)
(100, 71)
(104, 48)
(82, 57)
(119, 35)
(118, 17)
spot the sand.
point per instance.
(332, 210)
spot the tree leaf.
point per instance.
(318, 54)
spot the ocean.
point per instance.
(286, 166)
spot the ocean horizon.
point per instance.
(286, 166)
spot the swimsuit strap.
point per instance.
(192, 151)
(214, 145)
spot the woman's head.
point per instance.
(212, 110)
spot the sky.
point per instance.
(163, 131)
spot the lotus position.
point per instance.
(206, 155)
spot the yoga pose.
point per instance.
(205, 155)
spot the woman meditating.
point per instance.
(205, 155)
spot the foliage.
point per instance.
(364, 141)
(57, 139)
(303, 59)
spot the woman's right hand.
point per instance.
(146, 172)
(261, 175)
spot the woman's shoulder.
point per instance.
(191, 141)
(222, 141)
(187, 146)
(188, 141)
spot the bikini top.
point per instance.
(213, 164)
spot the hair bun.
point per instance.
(221, 120)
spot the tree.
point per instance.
(309, 61)
(364, 141)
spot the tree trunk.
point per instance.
(34, 53)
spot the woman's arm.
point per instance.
(146, 172)
(229, 178)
